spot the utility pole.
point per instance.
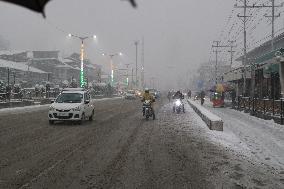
(231, 51)
(136, 78)
(217, 45)
(244, 19)
(272, 16)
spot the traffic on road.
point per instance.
(132, 94)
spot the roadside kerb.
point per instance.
(213, 122)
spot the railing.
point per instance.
(267, 108)
(27, 95)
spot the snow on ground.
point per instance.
(233, 156)
(205, 111)
(24, 109)
(260, 139)
(256, 148)
(226, 139)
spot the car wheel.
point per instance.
(82, 119)
(51, 122)
(91, 118)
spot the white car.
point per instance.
(73, 104)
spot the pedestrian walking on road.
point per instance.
(202, 97)
(189, 93)
(233, 96)
(169, 96)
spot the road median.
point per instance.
(213, 121)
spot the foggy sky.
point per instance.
(178, 33)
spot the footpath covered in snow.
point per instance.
(261, 139)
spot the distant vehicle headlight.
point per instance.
(77, 109)
(51, 108)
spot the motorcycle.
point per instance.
(147, 110)
(178, 106)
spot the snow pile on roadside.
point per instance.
(24, 109)
(225, 139)
(205, 112)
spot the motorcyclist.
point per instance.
(180, 96)
(148, 96)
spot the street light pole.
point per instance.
(82, 80)
(127, 77)
(132, 78)
(82, 77)
(111, 64)
(136, 69)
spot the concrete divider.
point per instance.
(213, 122)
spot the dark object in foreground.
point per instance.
(38, 5)
(35, 5)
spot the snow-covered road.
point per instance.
(224, 154)
(120, 149)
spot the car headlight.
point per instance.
(51, 108)
(77, 108)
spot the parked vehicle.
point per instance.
(73, 104)
(218, 100)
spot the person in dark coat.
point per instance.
(233, 96)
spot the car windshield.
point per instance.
(69, 98)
